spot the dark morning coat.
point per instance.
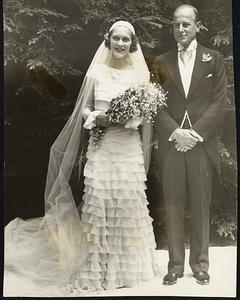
(205, 102)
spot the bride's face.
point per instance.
(120, 42)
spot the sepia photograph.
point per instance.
(120, 148)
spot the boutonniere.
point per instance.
(206, 57)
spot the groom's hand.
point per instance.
(183, 148)
(184, 139)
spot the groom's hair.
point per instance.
(134, 42)
(195, 11)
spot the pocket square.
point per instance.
(209, 75)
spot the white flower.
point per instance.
(206, 57)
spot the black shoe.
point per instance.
(202, 277)
(171, 278)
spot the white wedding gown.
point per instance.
(117, 245)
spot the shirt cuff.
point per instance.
(171, 138)
(90, 122)
(198, 136)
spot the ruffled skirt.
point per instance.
(114, 215)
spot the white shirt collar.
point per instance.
(191, 47)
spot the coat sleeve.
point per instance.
(164, 123)
(208, 123)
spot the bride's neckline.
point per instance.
(119, 74)
(128, 66)
(115, 69)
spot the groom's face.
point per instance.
(185, 26)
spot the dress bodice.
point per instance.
(110, 82)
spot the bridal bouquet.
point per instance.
(132, 107)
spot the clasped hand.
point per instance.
(185, 139)
(102, 120)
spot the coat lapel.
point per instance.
(198, 70)
(173, 69)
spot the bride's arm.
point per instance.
(89, 113)
(89, 107)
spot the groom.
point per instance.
(187, 140)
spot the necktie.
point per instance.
(185, 56)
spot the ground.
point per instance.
(222, 271)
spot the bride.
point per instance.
(109, 242)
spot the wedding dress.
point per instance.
(115, 215)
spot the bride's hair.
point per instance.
(133, 46)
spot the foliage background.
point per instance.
(48, 45)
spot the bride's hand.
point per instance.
(102, 120)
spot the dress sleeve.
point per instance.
(89, 95)
(89, 112)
